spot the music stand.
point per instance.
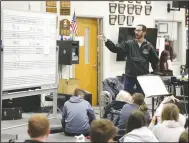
(153, 86)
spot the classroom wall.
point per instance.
(159, 12)
(101, 9)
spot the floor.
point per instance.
(21, 131)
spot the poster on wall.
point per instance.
(65, 27)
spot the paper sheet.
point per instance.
(152, 85)
(80, 39)
(47, 50)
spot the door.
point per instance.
(86, 70)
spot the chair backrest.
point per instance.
(105, 99)
(120, 134)
(113, 86)
(114, 116)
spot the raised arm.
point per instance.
(115, 48)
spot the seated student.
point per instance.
(137, 103)
(38, 128)
(77, 115)
(184, 137)
(170, 50)
(165, 63)
(169, 130)
(102, 130)
(169, 99)
(137, 130)
(113, 110)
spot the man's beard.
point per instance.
(138, 36)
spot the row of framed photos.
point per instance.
(121, 20)
(139, 2)
(186, 17)
(130, 8)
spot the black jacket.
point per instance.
(113, 110)
(138, 58)
(32, 141)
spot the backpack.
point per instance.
(114, 115)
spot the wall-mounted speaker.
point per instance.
(68, 52)
(180, 4)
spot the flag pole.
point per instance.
(73, 34)
(76, 22)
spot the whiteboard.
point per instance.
(152, 85)
(29, 49)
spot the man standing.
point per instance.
(139, 53)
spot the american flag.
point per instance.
(74, 25)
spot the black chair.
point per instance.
(186, 124)
(54, 130)
(61, 99)
(184, 94)
(120, 134)
(60, 102)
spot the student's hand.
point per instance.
(174, 99)
(154, 120)
(102, 37)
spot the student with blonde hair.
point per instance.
(38, 128)
(112, 110)
(184, 137)
(169, 130)
(167, 100)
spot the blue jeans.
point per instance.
(130, 83)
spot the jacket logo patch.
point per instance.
(145, 51)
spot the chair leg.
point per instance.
(52, 110)
(49, 112)
(59, 111)
(186, 112)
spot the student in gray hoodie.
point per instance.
(77, 115)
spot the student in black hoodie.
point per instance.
(38, 128)
(139, 53)
(113, 110)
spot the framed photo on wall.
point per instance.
(130, 8)
(138, 9)
(121, 8)
(121, 19)
(130, 20)
(148, 2)
(163, 27)
(112, 7)
(112, 19)
(148, 9)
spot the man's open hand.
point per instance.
(102, 37)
